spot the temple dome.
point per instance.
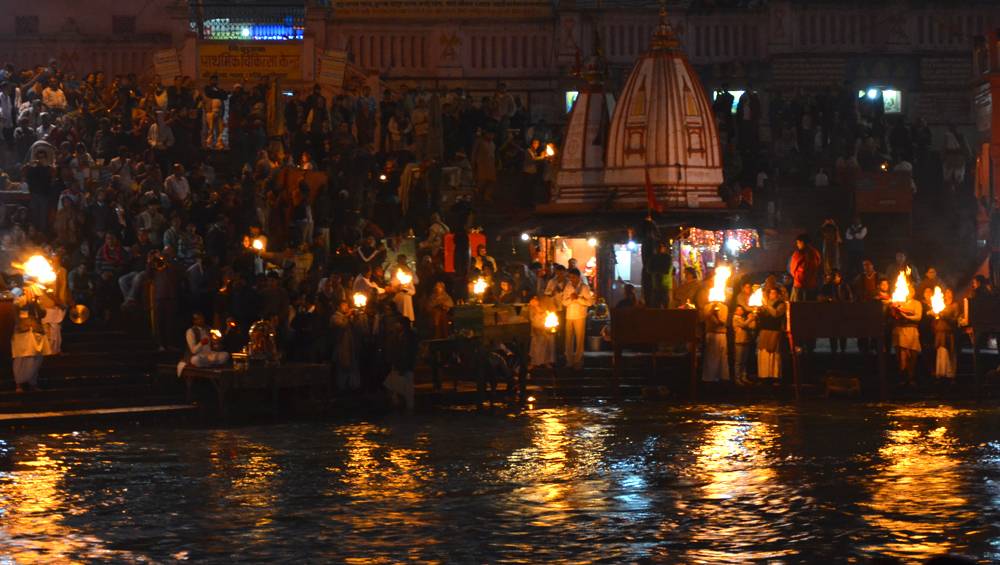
(663, 126)
(581, 169)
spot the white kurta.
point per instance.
(945, 363)
(53, 328)
(201, 354)
(404, 301)
(715, 364)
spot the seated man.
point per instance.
(199, 345)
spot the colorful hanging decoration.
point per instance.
(716, 240)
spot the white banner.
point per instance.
(167, 64)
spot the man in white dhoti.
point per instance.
(199, 345)
(906, 336)
(28, 343)
(771, 324)
(543, 338)
(55, 313)
(403, 284)
(715, 361)
(576, 298)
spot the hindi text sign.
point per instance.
(241, 62)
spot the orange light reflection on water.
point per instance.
(735, 467)
(34, 503)
(913, 498)
(376, 470)
(557, 474)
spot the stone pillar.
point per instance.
(188, 55)
(308, 59)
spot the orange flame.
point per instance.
(902, 291)
(937, 301)
(718, 291)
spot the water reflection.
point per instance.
(386, 485)
(742, 501)
(915, 499)
(36, 506)
(621, 483)
(245, 472)
(555, 476)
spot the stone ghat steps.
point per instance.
(55, 400)
(90, 356)
(76, 418)
(118, 344)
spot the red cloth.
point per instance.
(804, 267)
(449, 253)
(475, 240)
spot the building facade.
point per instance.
(915, 50)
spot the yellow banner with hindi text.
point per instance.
(249, 61)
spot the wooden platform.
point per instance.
(221, 391)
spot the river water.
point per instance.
(602, 482)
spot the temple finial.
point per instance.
(663, 37)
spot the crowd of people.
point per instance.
(827, 139)
(926, 319)
(176, 201)
(173, 201)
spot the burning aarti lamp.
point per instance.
(38, 269)
(551, 322)
(479, 288)
(901, 293)
(360, 300)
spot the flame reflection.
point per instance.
(913, 500)
(746, 501)
(247, 473)
(389, 479)
(34, 505)
(557, 474)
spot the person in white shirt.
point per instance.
(576, 299)
(45, 127)
(161, 139)
(10, 102)
(177, 188)
(160, 136)
(364, 283)
(199, 346)
(403, 299)
(554, 287)
(53, 97)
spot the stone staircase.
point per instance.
(99, 373)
